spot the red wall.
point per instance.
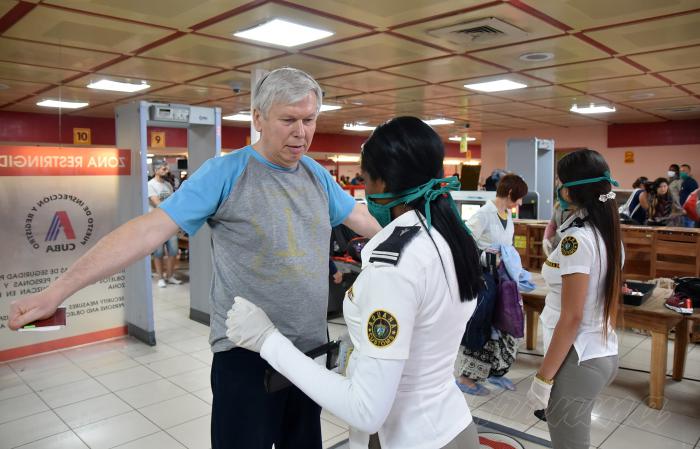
(681, 132)
(50, 128)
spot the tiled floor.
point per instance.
(122, 393)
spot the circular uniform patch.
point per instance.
(382, 328)
(569, 245)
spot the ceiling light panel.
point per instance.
(592, 109)
(62, 104)
(118, 86)
(272, 10)
(496, 86)
(283, 33)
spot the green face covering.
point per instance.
(684, 176)
(565, 204)
(382, 212)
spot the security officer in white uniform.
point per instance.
(406, 312)
(583, 276)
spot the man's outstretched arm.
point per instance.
(115, 251)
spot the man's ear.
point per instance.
(257, 120)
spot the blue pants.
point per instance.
(245, 416)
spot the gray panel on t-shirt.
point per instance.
(270, 244)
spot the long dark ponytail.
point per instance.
(405, 153)
(603, 216)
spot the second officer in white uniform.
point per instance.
(583, 276)
(406, 311)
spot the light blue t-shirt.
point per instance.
(270, 238)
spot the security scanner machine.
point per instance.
(533, 160)
(203, 142)
(469, 201)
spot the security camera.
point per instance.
(236, 87)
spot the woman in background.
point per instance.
(486, 353)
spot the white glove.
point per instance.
(547, 247)
(344, 352)
(248, 325)
(538, 396)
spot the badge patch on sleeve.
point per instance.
(382, 328)
(569, 245)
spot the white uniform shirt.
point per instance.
(424, 320)
(578, 252)
(162, 190)
(487, 228)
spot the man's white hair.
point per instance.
(285, 85)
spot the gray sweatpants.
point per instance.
(573, 395)
(467, 439)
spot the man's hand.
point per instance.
(31, 308)
(248, 325)
(338, 277)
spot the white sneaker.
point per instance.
(174, 280)
(161, 283)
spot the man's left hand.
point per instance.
(248, 325)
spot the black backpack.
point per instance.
(688, 287)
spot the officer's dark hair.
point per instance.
(406, 153)
(675, 167)
(603, 216)
(511, 186)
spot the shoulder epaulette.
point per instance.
(389, 251)
(577, 222)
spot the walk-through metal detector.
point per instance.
(203, 142)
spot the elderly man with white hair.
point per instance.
(270, 209)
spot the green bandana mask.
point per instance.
(382, 212)
(684, 176)
(606, 177)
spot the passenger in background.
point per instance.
(675, 182)
(662, 210)
(632, 210)
(688, 186)
(486, 353)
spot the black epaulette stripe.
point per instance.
(389, 251)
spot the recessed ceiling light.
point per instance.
(537, 56)
(357, 127)
(239, 117)
(592, 109)
(459, 139)
(117, 86)
(438, 122)
(330, 107)
(281, 32)
(495, 86)
(62, 104)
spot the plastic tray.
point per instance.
(635, 300)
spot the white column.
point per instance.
(255, 76)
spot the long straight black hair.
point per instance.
(406, 153)
(603, 216)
